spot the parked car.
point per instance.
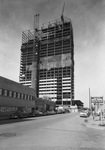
(32, 114)
(35, 113)
(19, 114)
(38, 113)
(52, 112)
(83, 114)
(47, 113)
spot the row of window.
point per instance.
(13, 109)
(42, 77)
(52, 45)
(54, 71)
(7, 109)
(43, 84)
(54, 32)
(51, 91)
(13, 94)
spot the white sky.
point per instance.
(88, 19)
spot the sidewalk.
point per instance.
(96, 123)
(3, 118)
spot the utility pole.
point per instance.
(72, 66)
(89, 100)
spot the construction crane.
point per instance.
(62, 17)
(35, 54)
(36, 22)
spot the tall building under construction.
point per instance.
(47, 60)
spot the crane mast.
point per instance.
(62, 17)
(35, 53)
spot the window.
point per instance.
(10, 93)
(14, 95)
(0, 109)
(18, 95)
(22, 96)
(1, 91)
(3, 109)
(5, 92)
(25, 96)
(28, 97)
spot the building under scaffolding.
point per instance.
(47, 61)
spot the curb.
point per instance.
(91, 124)
(95, 127)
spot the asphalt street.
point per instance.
(56, 132)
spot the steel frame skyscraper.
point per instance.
(47, 61)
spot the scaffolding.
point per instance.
(29, 49)
(29, 55)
